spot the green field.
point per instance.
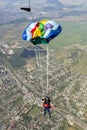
(72, 33)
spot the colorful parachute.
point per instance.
(41, 32)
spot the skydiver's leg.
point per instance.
(49, 112)
(44, 112)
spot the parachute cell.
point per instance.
(41, 32)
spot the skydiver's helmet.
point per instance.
(47, 98)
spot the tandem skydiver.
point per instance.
(46, 105)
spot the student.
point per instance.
(46, 105)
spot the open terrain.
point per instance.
(23, 74)
(67, 79)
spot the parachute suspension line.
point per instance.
(29, 3)
(32, 18)
(37, 65)
(38, 68)
(47, 68)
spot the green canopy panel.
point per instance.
(39, 40)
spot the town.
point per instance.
(21, 92)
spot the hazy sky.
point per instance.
(35, 3)
(5, 2)
(74, 2)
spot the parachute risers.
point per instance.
(26, 9)
(41, 32)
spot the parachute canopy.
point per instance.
(41, 32)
